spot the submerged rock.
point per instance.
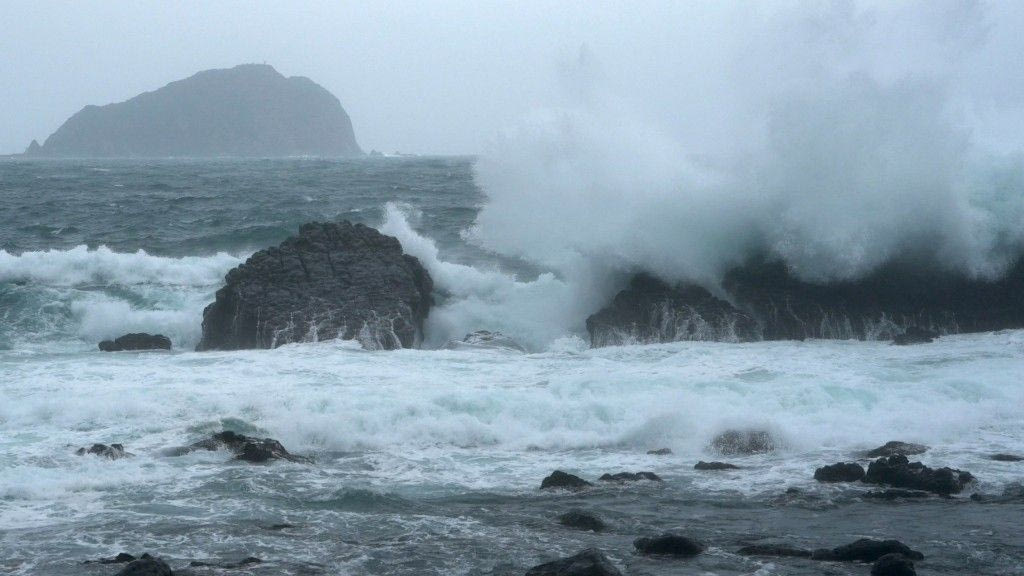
(702, 465)
(895, 447)
(146, 565)
(897, 494)
(249, 449)
(893, 565)
(485, 339)
(866, 550)
(660, 452)
(332, 280)
(1013, 492)
(915, 335)
(559, 479)
(136, 341)
(781, 550)
(249, 561)
(582, 520)
(622, 477)
(121, 558)
(1006, 458)
(841, 472)
(668, 544)
(590, 562)
(897, 471)
(113, 452)
(743, 442)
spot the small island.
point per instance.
(250, 110)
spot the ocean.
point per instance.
(428, 461)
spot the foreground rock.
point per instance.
(559, 479)
(866, 550)
(590, 562)
(136, 341)
(841, 472)
(582, 520)
(915, 335)
(893, 565)
(897, 471)
(743, 442)
(485, 339)
(146, 565)
(895, 447)
(623, 477)
(780, 550)
(113, 452)
(702, 465)
(668, 544)
(331, 281)
(255, 450)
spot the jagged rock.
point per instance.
(893, 565)
(146, 565)
(1006, 458)
(915, 335)
(743, 442)
(866, 550)
(702, 465)
(254, 450)
(590, 562)
(250, 110)
(114, 451)
(660, 452)
(897, 494)
(582, 520)
(897, 471)
(895, 447)
(136, 341)
(774, 550)
(485, 339)
(333, 280)
(840, 472)
(622, 477)
(668, 544)
(559, 479)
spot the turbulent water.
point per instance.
(428, 461)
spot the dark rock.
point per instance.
(702, 465)
(668, 544)
(113, 452)
(1006, 458)
(841, 472)
(590, 562)
(582, 520)
(743, 442)
(897, 494)
(660, 452)
(485, 339)
(249, 110)
(227, 565)
(146, 566)
(893, 565)
(895, 447)
(249, 449)
(774, 550)
(915, 335)
(622, 477)
(559, 479)
(331, 281)
(280, 526)
(866, 550)
(121, 558)
(897, 471)
(136, 341)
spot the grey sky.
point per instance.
(445, 77)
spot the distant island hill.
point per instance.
(250, 110)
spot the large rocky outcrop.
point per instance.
(331, 281)
(249, 110)
(765, 302)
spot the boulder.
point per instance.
(332, 280)
(898, 472)
(590, 562)
(660, 452)
(866, 550)
(485, 339)
(146, 565)
(256, 450)
(702, 465)
(622, 477)
(893, 565)
(668, 544)
(743, 442)
(582, 520)
(781, 550)
(894, 447)
(915, 335)
(113, 452)
(841, 472)
(136, 341)
(559, 479)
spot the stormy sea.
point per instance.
(429, 461)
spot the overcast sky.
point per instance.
(446, 76)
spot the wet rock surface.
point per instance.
(895, 448)
(582, 520)
(710, 466)
(146, 565)
(866, 550)
(841, 472)
(136, 341)
(623, 477)
(113, 452)
(590, 562)
(743, 442)
(893, 565)
(668, 544)
(780, 550)
(899, 472)
(559, 479)
(255, 450)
